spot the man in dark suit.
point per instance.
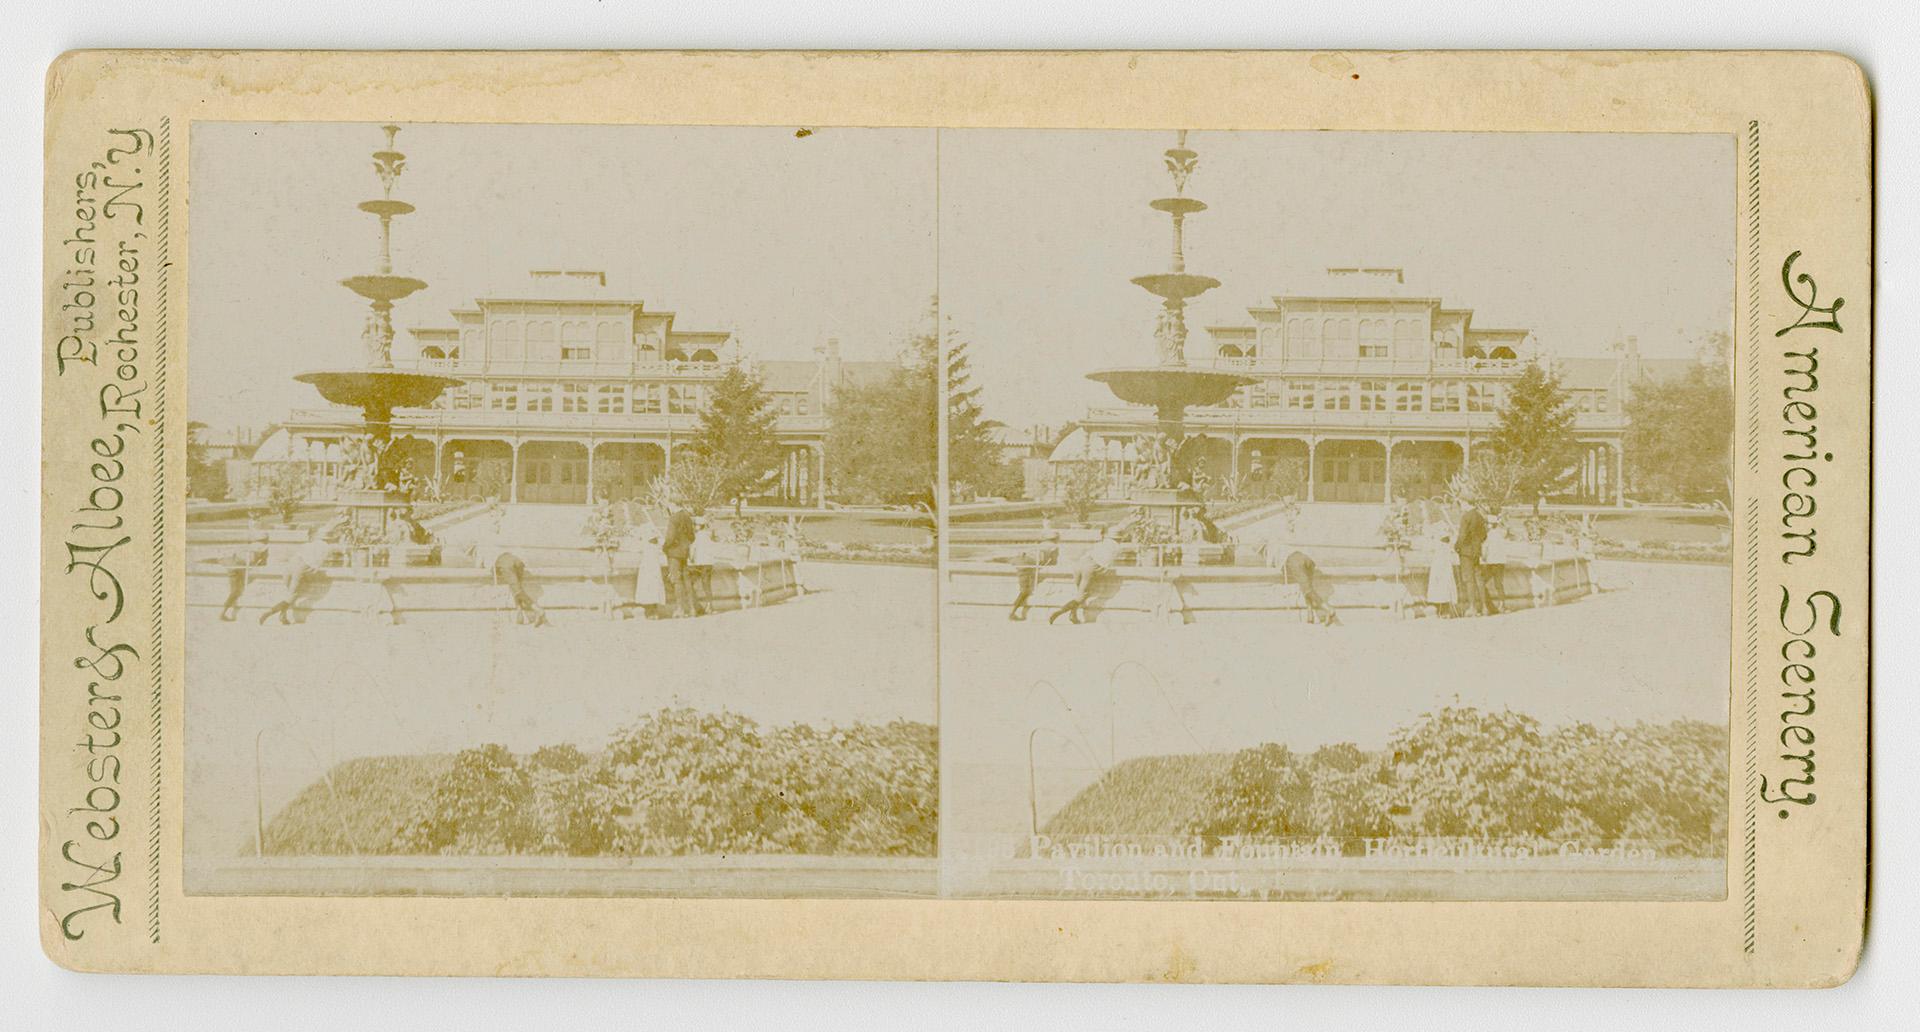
(678, 546)
(1467, 544)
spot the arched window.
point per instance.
(1340, 338)
(609, 344)
(432, 353)
(1373, 338)
(705, 355)
(1406, 338)
(576, 341)
(1473, 351)
(1502, 352)
(507, 341)
(1303, 338)
(541, 341)
(1229, 351)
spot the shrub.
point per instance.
(676, 782)
(477, 806)
(287, 485)
(1458, 772)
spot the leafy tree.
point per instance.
(1493, 480)
(1679, 443)
(737, 434)
(1536, 434)
(883, 437)
(692, 480)
(205, 479)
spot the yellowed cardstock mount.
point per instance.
(113, 559)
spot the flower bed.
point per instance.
(1666, 551)
(1459, 773)
(861, 552)
(678, 782)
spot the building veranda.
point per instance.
(1367, 392)
(572, 393)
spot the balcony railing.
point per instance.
(581, 368)
(1385, 367)
(449, 421)
(1340, 419)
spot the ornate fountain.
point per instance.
(373, 480)
(1161, 486)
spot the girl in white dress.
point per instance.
(1441, 591)
(649, 588)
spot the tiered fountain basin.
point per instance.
(453, 580)
(378, 388)
(385, 289)
(408, 595)
(1170, 388)
(1188, 584)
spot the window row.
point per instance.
(576, 340)
(603, 399)
(1373, 396)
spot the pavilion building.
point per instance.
(1375, 394)
(572, 392)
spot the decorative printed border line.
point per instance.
(155, 659)
(1750, 872)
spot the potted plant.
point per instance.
(287, 488)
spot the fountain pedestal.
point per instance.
(1166, 498)
(1166, 508)
(373, 488)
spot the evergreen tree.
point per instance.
(973, 454)
(1535, 434)
(1679, 443)
(737, 435)
(883, 437)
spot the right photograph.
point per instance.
(1336, 515)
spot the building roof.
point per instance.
(1585, 373)
(794, 375)
(275, 447)
(556, 285)
(1074, 448)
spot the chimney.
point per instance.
(829, 371)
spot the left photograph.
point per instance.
(560, 510)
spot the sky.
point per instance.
(787, 240)
(1581, 238)
(1029, 237)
